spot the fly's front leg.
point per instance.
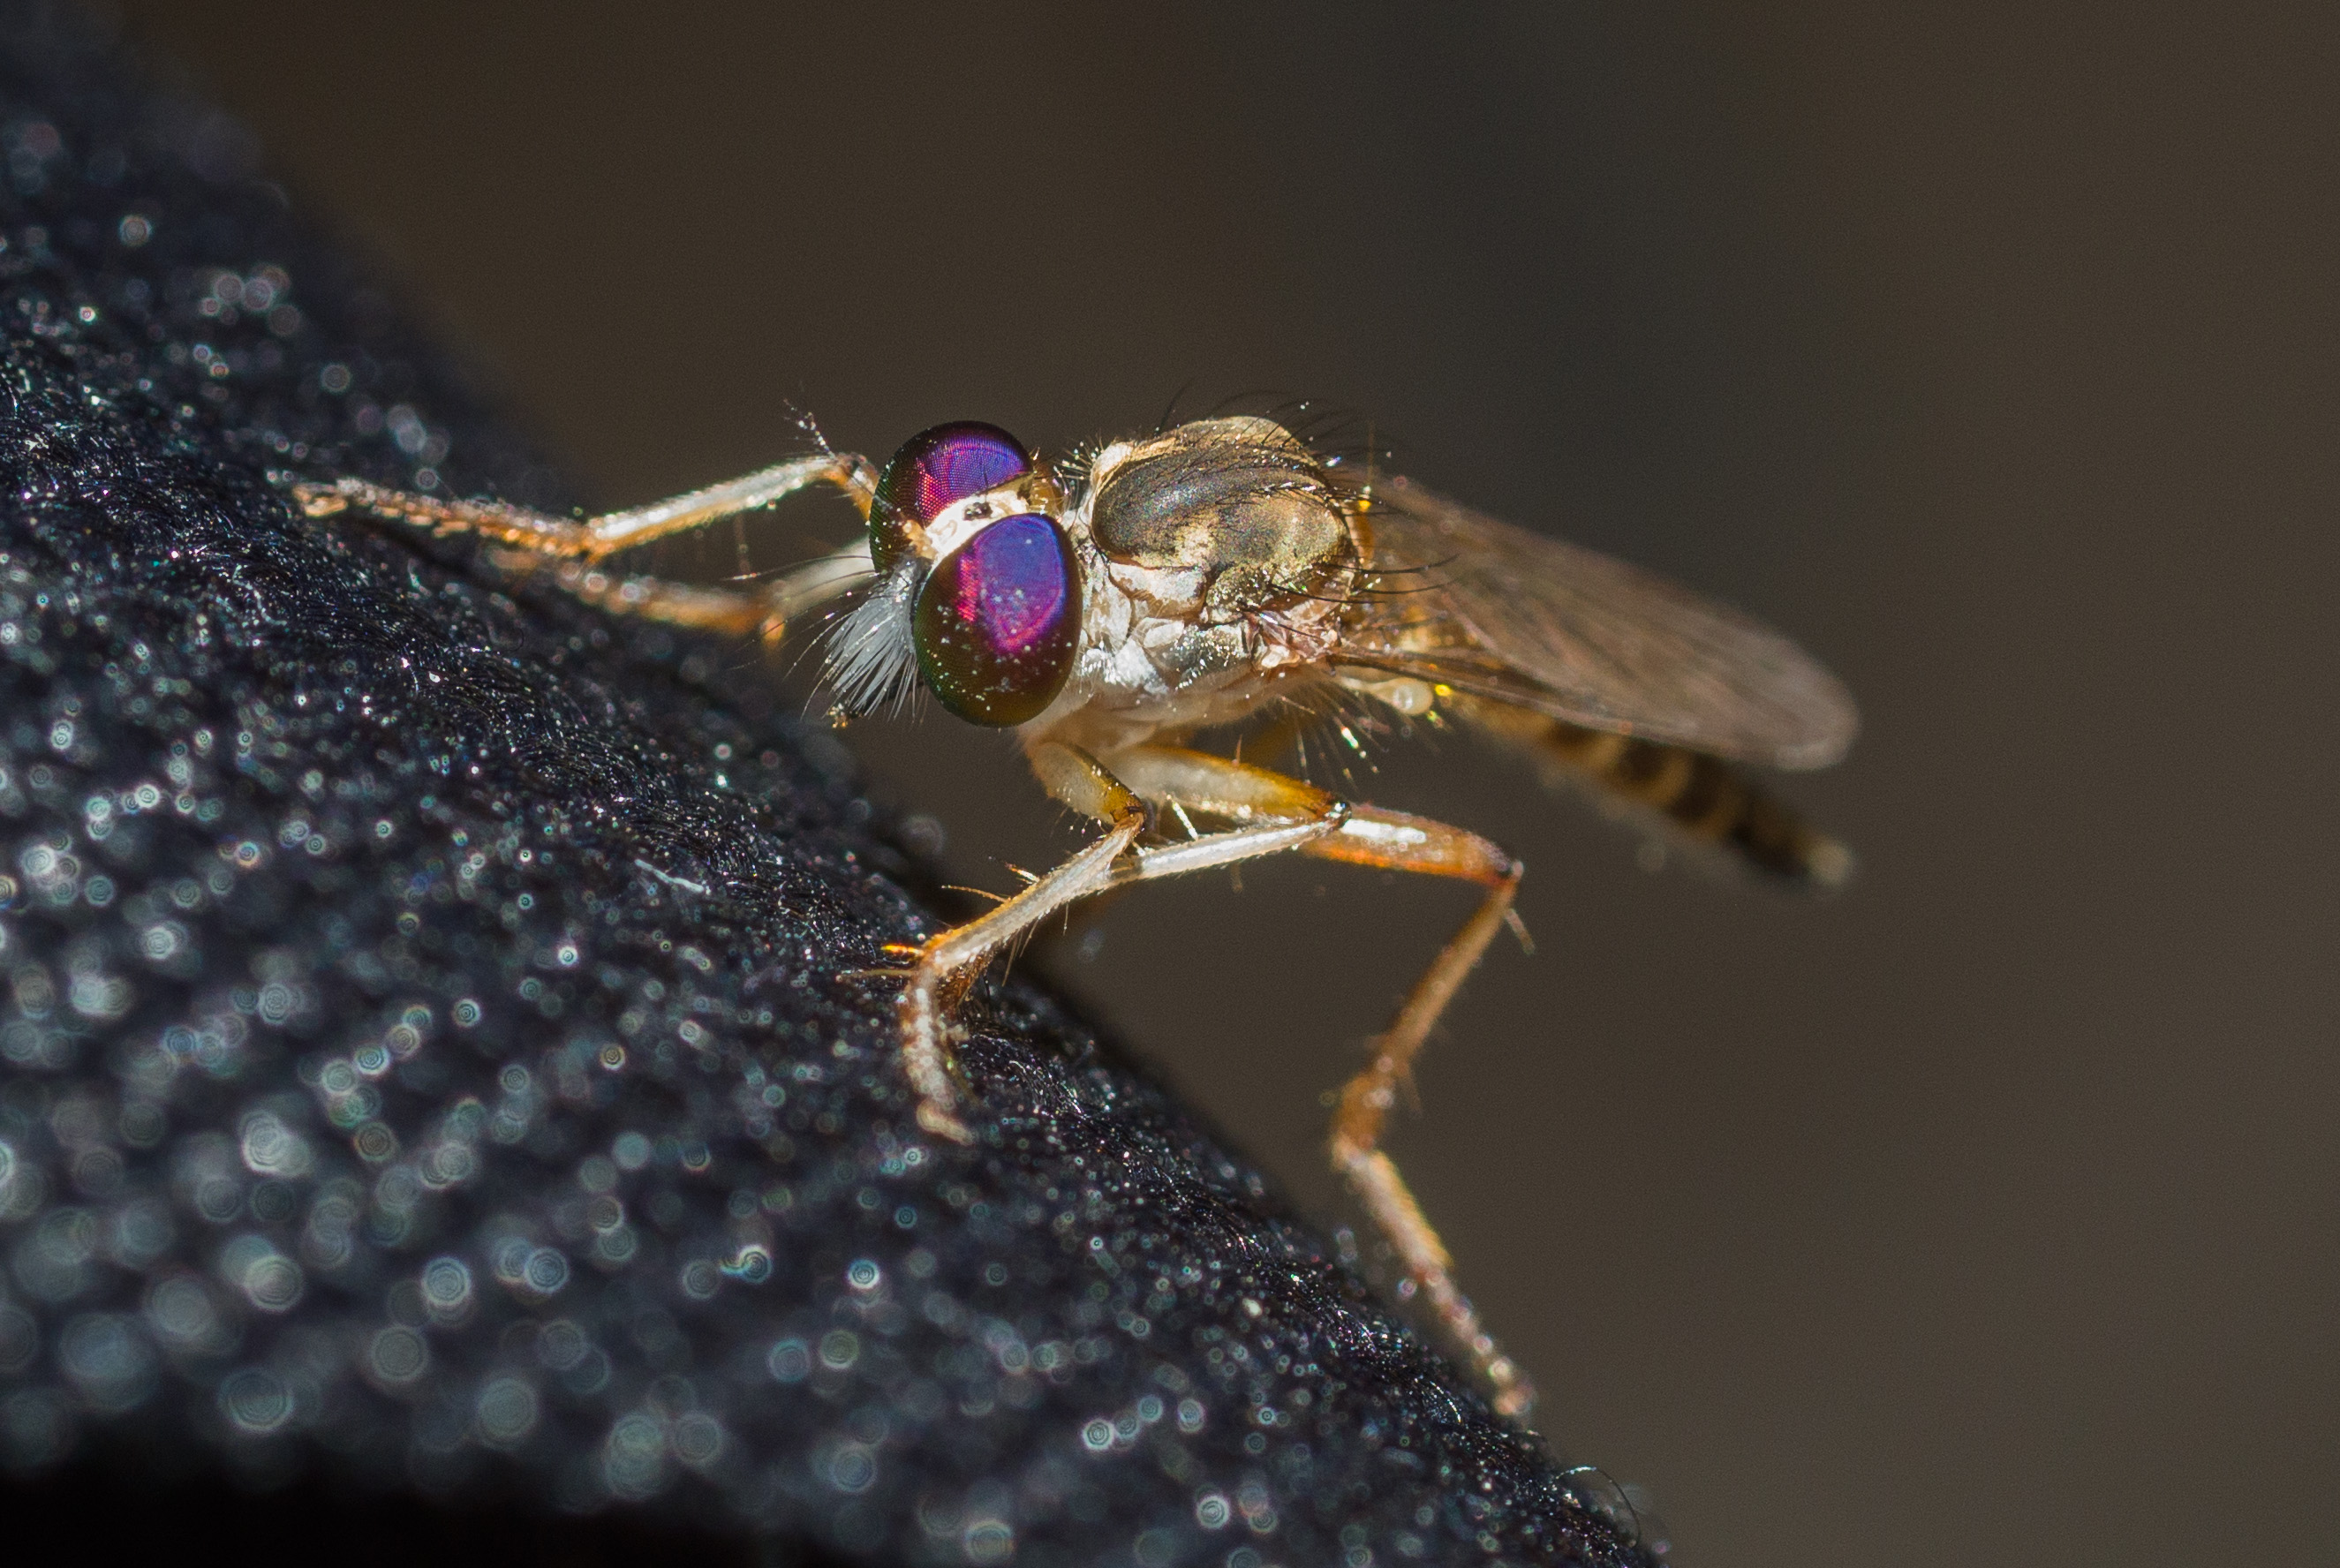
(591, 539)
(721, 611)
(1397, 842)
(573, 549)
(765, 613)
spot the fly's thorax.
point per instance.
(1140, 678)
(1219, 518)
(1215, 554)
(1136, 655)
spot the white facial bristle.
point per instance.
(872, 660)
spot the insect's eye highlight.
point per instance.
(997, 621)
(934, 469)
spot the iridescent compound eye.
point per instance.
(934, 470)
(998, 620)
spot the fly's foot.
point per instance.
(1515, 1396)
(909, 951)
(939, 1121)
(927, 1002)
(1428, 1270)
(320, 499)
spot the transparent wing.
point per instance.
(1460, 599)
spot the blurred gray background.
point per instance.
(1984, 1214)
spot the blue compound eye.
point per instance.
(934, 470)
(998, 620)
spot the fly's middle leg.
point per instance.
(1395, 841)
(1275, 813)
(947, 963)
(1365, 836)
(1271, 814)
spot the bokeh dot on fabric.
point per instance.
(433, 1053)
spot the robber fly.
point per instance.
(1109, 607)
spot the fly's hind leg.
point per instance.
(1368, 836)
(1271, 814)
(1398, 842)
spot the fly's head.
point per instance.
(978, 591)
(1223, 542)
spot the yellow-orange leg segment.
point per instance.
(1398, 842)
(571, 549)
(767, 613)
(1368, 836)
(592, 538)
(947, 963)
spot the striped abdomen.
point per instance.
(1697, 796)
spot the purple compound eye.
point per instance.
(934, 469)
(998, 620)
